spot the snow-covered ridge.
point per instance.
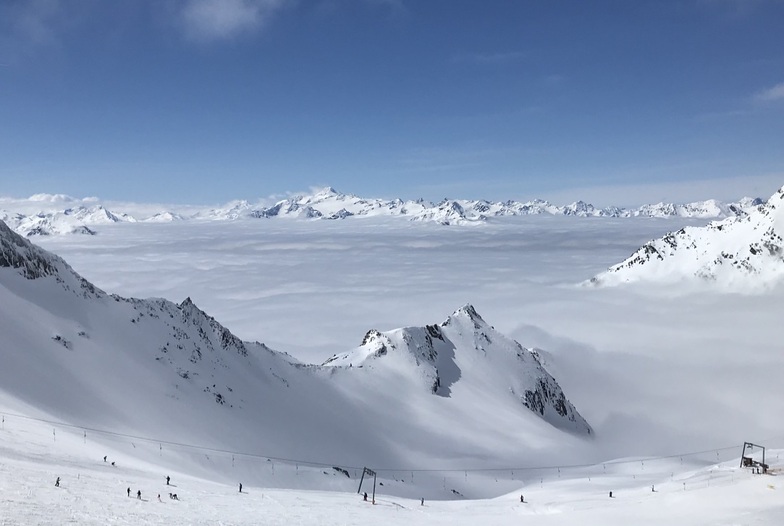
(20, 256)
(740, 251)
(328, 204)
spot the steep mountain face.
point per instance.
(329, 204)
(466, 355)
(21, 257)
(744, 250)
(154, 368)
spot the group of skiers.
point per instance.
(138, 493)
(172, 496)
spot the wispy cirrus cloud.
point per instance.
(775, 93)
(211, 20)
(26, 26)
(31, 21)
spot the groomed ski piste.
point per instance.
(707, 487)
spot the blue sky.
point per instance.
(202, 101)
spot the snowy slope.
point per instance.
(741, 251)
(44, 214)
(158, 369)
(93, 492)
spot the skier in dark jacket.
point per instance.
(129, 492)
(139, 494)
(167, 480)
(57, 483)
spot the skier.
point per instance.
(522, 499)
(422, 501)
(167, 480)
(139, 494)
(364, 497)
(611, 495)
(104, 458)
(240, 487)
(159, 497)
(129, 492)
(57, 483)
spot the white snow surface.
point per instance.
(744, 252)
(93, 491)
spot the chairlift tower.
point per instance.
(748, 462)
(369, 472)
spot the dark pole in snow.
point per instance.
(359, 489)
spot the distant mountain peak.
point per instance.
(187, 303)
(327, 191)
(468, 310)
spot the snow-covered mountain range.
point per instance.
(151, 367)
(745, 250)
(45, 214)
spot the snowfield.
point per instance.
(92, 491)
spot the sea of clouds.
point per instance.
(654, 368)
